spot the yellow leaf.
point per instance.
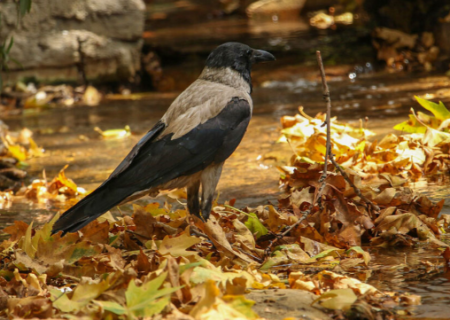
(177, 246)
(17, 152)
(439, 110)
(26, 243)
(340, 299)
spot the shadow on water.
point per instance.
(250, 175)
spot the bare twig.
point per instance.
(139, 235)
(81, 64)
(326, 97)
(323, 177)
(250, 255)
(328, 155)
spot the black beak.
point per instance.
(262, 56)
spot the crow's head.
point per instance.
(238, 57)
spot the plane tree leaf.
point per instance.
(438, 110)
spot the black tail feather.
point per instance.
(89, 209)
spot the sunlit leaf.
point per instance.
(340, 299)
(411, 126)
(435, 137)
(115, 133)
(439, 110)
(17, 152)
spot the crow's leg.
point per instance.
(210, 177)
(193, 202)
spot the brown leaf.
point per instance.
(216, 234)
(30, 307)
(173, 272)
(17, 230)
(96, 232)
(446, 256)
(142, 262)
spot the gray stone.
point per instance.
(46, 41)
(285, 303)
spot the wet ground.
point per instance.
(250, 175)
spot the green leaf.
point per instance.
(113, 307)
(11, 42)
(255, 225)
(411, 126)
(185, 267)
(276, 259)
(24, 7)
(141, 301)
(330, 252)
(439, 110)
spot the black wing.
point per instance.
(149, 136)
(153, 163)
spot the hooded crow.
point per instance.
(188, 146)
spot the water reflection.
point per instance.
(411, 270)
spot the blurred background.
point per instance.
(73, 70)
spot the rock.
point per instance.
(47, 40)
(286, 303)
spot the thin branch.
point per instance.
(81, 64)
(323, 177)
(328, 155)
(327, 98)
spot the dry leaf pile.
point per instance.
(425, 151)
(386, 212)
(59, 189)
(15, 148)
(156, 263)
